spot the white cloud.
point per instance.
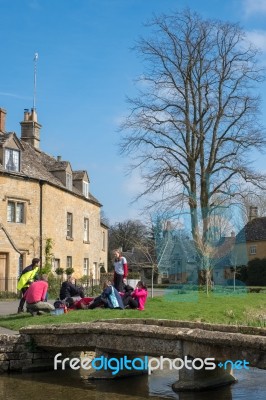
(254, 7)
(258, 38)
(133, 184)
(17, 96)
(118, 120)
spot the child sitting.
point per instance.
(137, 298)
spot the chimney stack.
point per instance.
(2, 120)
(59, 158)
(30, 128)
(168, 226)
(253, 212)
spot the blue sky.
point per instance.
(84, 72)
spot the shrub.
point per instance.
(59, 271)
(256, 272)
(69, 271)
(54, 286)
(8, 295)
(133, 275)
(46, 269)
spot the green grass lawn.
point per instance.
(245, 309)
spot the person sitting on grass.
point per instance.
(70, 290)
(138, 297)
(35, 297)
(110, 298)
(80, 304)
(127, 291)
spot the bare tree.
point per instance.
(104, 218)
(137, 237)
(253, 199)
(126, 234)
(196, 119)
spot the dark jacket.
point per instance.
(112, 298)
(70, 290)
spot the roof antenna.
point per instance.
(36, 56)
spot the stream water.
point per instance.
(72, 385)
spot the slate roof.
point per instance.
(224, 246)
(56, 166)
(254, 230)
(38, 165)
(77, 175)
(136, 257)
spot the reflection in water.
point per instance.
(70, 385)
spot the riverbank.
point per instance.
(243, 309)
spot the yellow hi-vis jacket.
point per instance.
(27, 277)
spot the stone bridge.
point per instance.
(172, 339)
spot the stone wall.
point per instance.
(19, 353)
(56, 204)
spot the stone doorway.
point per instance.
(4, 271)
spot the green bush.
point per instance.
(46, 269)
(59, 271)
(84, 279)
(256, 272)
(54, 286)
(9, 295)
(69, 271)
(133, 275)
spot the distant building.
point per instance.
(248, 244)
(143, 262)
(254, 235)
(41, 197)
(177, 257)
(178, 260)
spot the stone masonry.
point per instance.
(18, 353)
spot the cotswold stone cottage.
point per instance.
(41, 197)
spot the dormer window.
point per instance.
(69, 181)
(12, 160)
(85, 187)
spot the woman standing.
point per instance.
(121, 270)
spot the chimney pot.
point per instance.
(33, 115)
(59, 158)
(26, 114)
(253, 212)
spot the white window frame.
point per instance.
(69, 262)
(56, 263)
(86, 230)
(69, 182)
(85, 189)
(15, 159)
(69, 225)
(86, 266)
(253, 250)
(17, 215)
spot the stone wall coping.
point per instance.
(245, 329)
(189, 334)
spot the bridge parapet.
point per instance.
(173, 339)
